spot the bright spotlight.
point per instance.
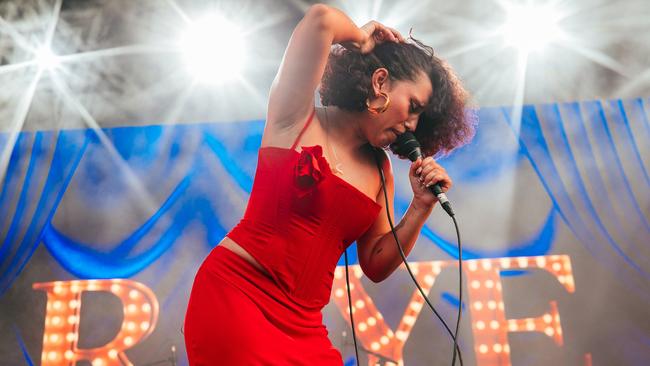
(46, 59)
(214, 49)
(531, 28)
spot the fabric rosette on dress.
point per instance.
(311, 169)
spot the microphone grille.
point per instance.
(406, 145)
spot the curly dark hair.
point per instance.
(444, 124)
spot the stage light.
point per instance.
(46, 59)
(214, 49)
(530, 28)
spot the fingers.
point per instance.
(415, 166)
(397, 35)
(383, 33)
(436, 177)
(430, 173)
(370, 27)
(377, 33)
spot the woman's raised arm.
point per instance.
(292, 93)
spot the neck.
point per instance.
(344, 127)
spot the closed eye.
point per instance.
(416, 108)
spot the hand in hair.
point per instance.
(376, 33)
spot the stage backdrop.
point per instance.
(102, 231)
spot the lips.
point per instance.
(398, 132)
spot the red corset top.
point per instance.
(300, 218)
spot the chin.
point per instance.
(383, 140)
(391, 138)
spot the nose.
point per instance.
(411, 123)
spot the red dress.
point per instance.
(299, 219)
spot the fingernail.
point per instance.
(418, 171)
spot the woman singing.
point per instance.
(257, 297)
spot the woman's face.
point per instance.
(407, 101)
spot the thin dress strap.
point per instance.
(311, 116)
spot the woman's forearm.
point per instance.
(385, 257)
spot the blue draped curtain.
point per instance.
(590, 157)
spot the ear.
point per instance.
(380, 80)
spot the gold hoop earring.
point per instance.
(378, 110)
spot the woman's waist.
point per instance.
(299, 268)
(230, 267)
(231, 245)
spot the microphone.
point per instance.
(407, 145)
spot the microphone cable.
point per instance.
(460, 293)
(453, 335)
(347, 285)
